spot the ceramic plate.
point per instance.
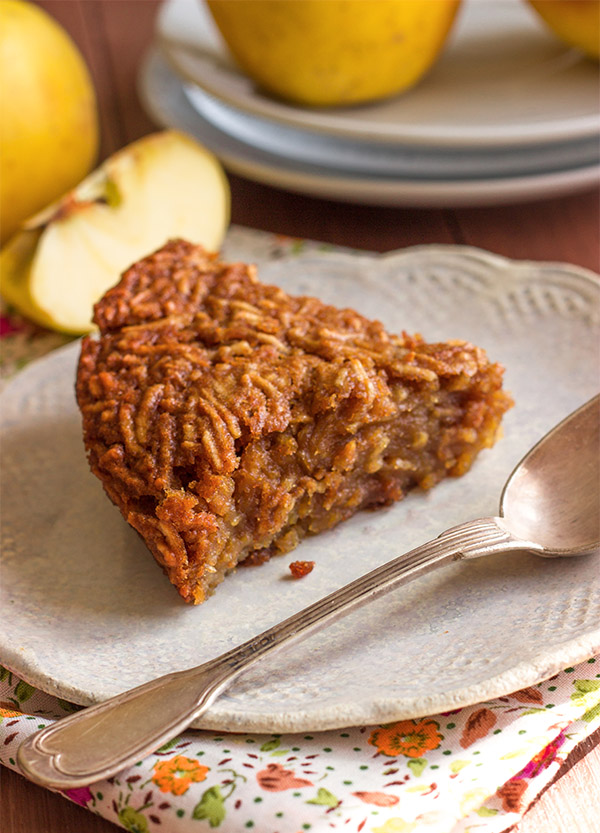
(503, 78)
(408, 161)
(86, 613)
(162, 94)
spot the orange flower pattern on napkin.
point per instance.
(407, 737)
(177, 774)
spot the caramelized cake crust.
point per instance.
(227, 419)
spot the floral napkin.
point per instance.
(475, 769)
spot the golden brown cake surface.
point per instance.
(227, 419)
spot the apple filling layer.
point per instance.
(227, 419)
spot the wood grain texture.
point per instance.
(27, 808)
(571, 803)
(113, 35)
(564, 229)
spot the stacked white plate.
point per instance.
(508, 113)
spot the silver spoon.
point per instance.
(550, 506)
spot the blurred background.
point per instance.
(500, 58)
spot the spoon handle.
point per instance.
(99, 741)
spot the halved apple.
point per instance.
(65, 258)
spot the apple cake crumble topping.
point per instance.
(227, 419)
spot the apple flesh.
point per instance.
(65, 258)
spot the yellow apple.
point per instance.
(576, 22)
(64, 259)
(334, 52)
(49, 135)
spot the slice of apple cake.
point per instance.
(228, 419)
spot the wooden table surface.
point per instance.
(113, 35)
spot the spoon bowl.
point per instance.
(550, 506)
(553, 495)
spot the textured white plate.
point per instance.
(86, 613)
(162, 94)
(503, 78)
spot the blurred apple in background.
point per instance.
(49, 125)
(576, 22)
(334, 52)
(63, 260)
